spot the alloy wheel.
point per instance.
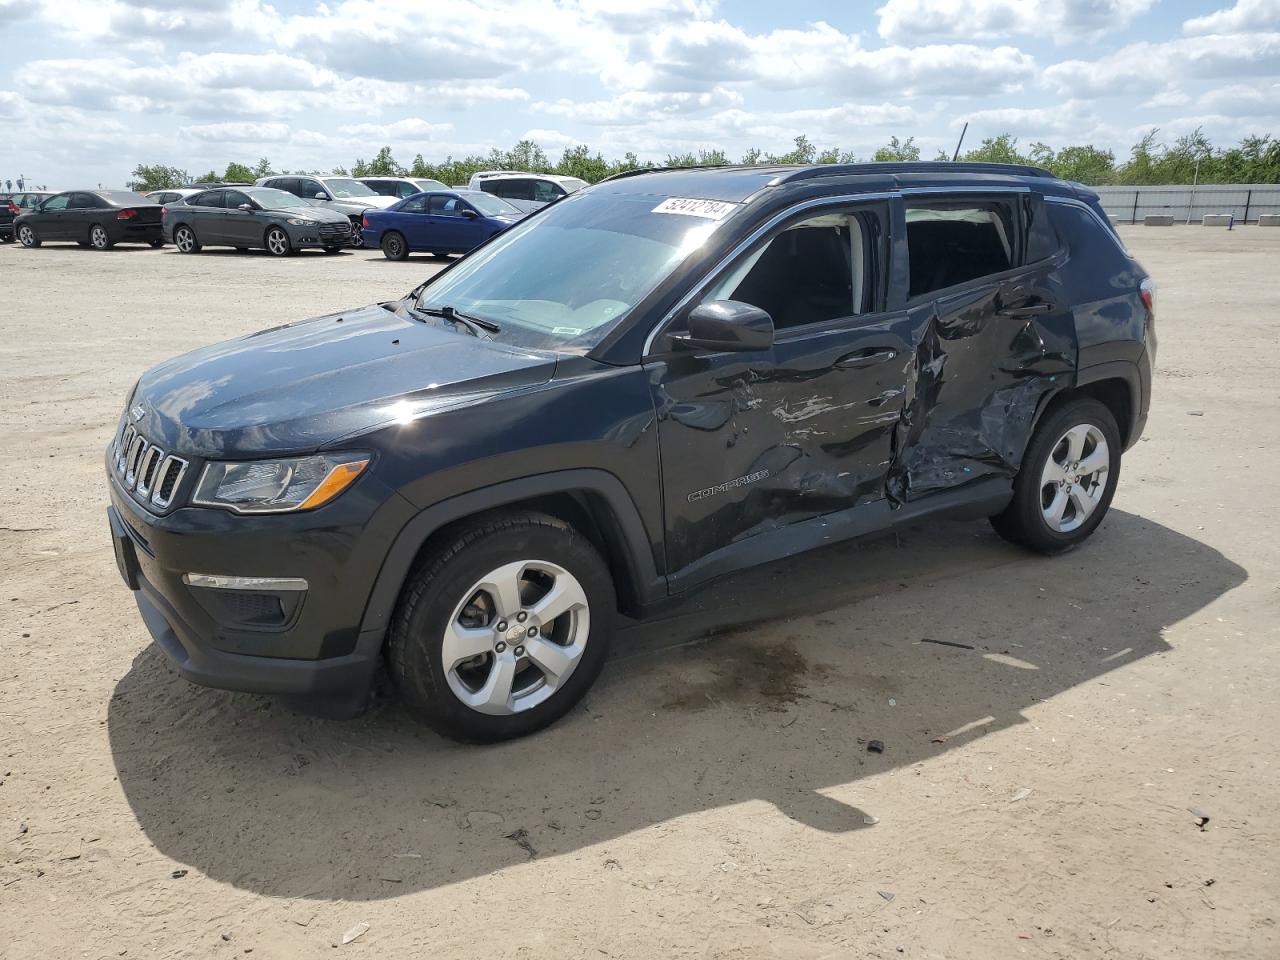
(277, 242)
(98, 237)
(26, 236)
(184, 240)
(516, 636)
(357, 238)
(1074, 477)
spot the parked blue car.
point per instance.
(439, 222)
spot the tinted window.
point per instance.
(416, 205)
(210, 198)
(1041, 239)
(443, 205)
(233, 199)
(822, 268)
(83, 200)
(308, 188)
(545, 191)
(58, 203)
(519, 189)
(951, 242)
(388, 188)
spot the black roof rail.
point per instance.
(918, 166)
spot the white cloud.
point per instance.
(1243, 100)
(1245, 15)
(408, 130)
(1144, 68)
(1060, 20)
(233, 132)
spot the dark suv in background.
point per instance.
(659, 380)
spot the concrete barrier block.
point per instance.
(1215, 220)
(1269, 220)
(1158, 220)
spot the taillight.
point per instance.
(1148, 293)
(126, 214)
(364, 220)
(13, 208)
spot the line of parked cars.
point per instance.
(285, 213)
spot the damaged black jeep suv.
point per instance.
(656, 381)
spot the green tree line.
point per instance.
(1255, 159)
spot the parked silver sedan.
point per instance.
(247, 217)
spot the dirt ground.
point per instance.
(715, 796)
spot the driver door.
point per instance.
(50, 220)
(754, 442)
(242, 228)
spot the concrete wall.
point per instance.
(1183, 202)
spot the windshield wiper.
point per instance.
(474, 324)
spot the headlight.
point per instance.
(300, 221)
(279, 486)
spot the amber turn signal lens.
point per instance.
(339, 478)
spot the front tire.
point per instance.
(184, 238)
(1067, 479)
(357, 234)
(27, 236)
(503, 627)
(278, 243)
(394, 246)
(98, 237)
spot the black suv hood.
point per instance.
(300, 387)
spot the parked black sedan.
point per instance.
(247, 217)
(91, 218)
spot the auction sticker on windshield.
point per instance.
(708, 209)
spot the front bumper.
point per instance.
(320, 235)
(316, 654)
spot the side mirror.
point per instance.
(726, 325)
(322, 196)
(246, 207)
(469, 214)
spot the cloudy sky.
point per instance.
(89, 88)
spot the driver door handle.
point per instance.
(865, 358)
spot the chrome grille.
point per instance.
(145, 470)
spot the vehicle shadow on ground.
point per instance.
(687, 716)
(232, 252)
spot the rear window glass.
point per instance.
(952, 243)
(122, 198)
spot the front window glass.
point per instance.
(58, 203)
(563, 279)
(490, 205)
(270, 199)
(345, 187)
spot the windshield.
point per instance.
(426, 186)
(490, 205)
(271, 199)
(346, 187)
(563, 279)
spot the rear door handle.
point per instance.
(865, 358)
(1026, 310)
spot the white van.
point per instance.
(526, 191)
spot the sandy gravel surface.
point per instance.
(714, 797)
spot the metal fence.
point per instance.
(1245, 201)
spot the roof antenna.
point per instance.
(956, 156)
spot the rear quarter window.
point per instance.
(954, 241)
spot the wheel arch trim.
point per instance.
(625, 532)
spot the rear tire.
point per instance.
(502, 627)
(1067, 479)
(184, 238)
(394, 246)
(8, 238)
(98, 237)
(27, 236)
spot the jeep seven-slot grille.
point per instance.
(145, 470)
